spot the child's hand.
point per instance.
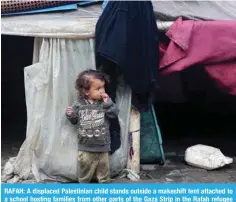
(69, 111)
(105, 97)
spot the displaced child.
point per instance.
(91, 113)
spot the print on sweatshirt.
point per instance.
(92, 121)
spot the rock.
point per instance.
(175, 173)
(13, 180)
(169, 180)
(148, 167)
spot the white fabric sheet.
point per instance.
(50, 148)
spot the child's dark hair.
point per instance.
(83, 81)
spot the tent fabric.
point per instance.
(74, 25)
(224, 74)
(198, 10)
(50, 149)
(81, 24)
(217, 54)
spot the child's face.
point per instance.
(96, 89)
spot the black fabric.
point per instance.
(110, 69)
(127, 35)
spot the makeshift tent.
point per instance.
(64, 46)
(60, 34)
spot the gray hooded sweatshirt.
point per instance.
(92, 121)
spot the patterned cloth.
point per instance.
(93, 164)
(13, 6)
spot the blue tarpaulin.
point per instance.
(68, 7)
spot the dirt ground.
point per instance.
(175, 169)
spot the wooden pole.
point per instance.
(134, 131)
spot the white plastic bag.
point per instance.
(206, 157)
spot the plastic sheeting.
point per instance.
(50, 148)
(72, 25)
(81, 24)
(76, 24)
(207, 10)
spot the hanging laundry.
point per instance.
(127, 35)
(211, 44)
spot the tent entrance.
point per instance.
(186, 124)
(17, 53)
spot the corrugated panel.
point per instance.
(151, 150)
